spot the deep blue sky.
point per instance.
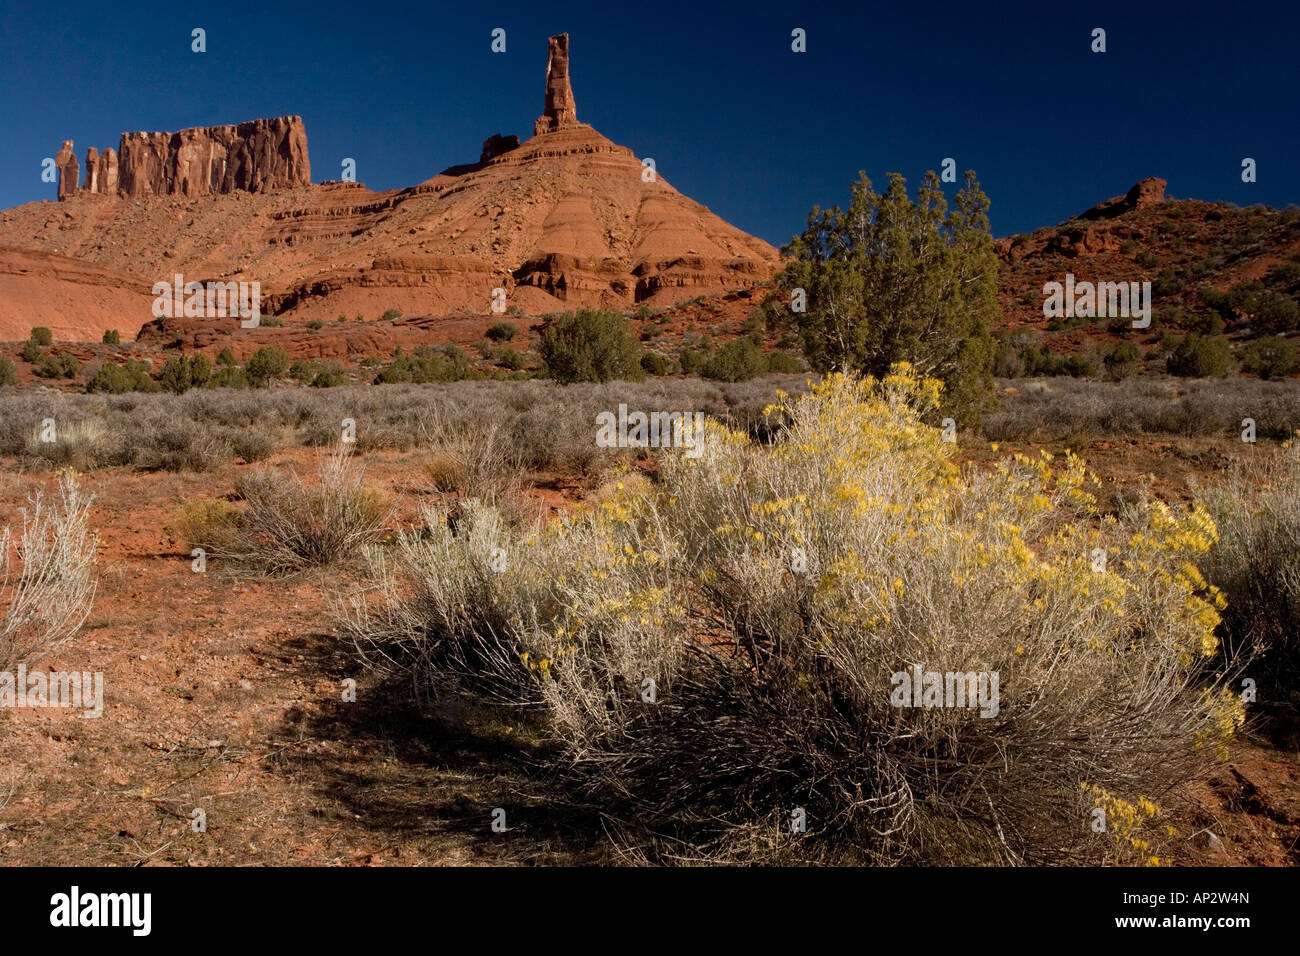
(712, 92)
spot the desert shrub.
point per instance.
(512, 359)
(1197, 356)
(328, 376)
(180, 374)
(589, 346)
(1270, 357)
(391, 315)
(1043, 362)
(302, 371)
(266, 363)
(1276, 314)
(40, 335)
(783, 363)
(112, 337)
(656, 364)
(180, 447)
(8, 371)
(445, 471)
(31, 353)
(502, 331)
(1121, 360)
(253, 444)
(48, 598)
(1007, 362)
(1256, 560)
(480, 460)
(289, 525)
(316, 324)
(776, 595)
(47, 367)
(63, 365)
(229, 376)
(117, 379)
(738, 361)
(692, 361)
(426, 366)
(1063, 409)
(227, 357)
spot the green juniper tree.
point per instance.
(891, 279)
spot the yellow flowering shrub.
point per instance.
(721, 644)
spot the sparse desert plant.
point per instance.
(445, 471)
(590, 346)
(176, 447)
(502, 331)
(8, 372)
(1256, 561)
(112, 337)
(254, 444)
(266, 363)
(49, 597)
(481, 462)
(117, 379)
(738, 361)
(289, 524)
(768, 599)
(40, 335)
(1199, 356)
(1271, 357)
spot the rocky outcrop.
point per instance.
(1148, 192)
(69, 170)
(560, 110)
(254, 157)
(101, 171)
(497, 144)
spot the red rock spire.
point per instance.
(560, 109)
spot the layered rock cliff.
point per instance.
(256, 156)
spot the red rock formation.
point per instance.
(69, 171)
(254, 157)
(101, 172)
(108, 172)
(564, 220)
(1145, 193)
(560, 109)
(497, 144)
(91, 184)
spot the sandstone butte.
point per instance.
(564, 219)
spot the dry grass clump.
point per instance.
(289, 524)
(47, 600)
(1256, 560)
(718, 651)
(445, 471)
